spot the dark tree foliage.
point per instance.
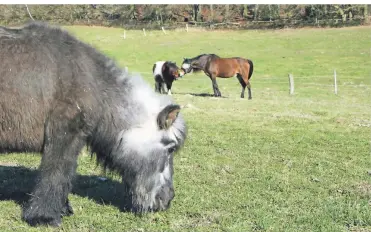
(119, 15)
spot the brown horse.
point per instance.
(214, 66)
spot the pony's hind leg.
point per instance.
(168, 85)
(158, 83)
(157, 87)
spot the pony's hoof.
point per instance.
(38, 214)
(67, 210)
(43, 220)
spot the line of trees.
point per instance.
(119, 15)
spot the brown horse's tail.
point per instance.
(251, 68)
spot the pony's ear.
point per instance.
(184, 58)
(167, 116)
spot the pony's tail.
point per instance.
(251, 68)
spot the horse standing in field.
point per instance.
(214, 66)
(165, 73)
(58, 94)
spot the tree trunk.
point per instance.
(132, 12)
(211, 13)
(270, 12)
(256, 12)
(195, 11)
(199, 12)
(341, 12)
(365, 13)
(245, 11)
(226, 17)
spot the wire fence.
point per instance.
(364, 82)
(251, 24)
(353, 83)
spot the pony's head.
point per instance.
(155, 131)
(173, 70)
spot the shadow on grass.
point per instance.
(200, 94)
(17, 182)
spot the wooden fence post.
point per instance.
(163, 30)
(187, 27)
(124, 34)
(29, 13)
(144, 32)
(291, 81)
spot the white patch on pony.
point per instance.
(186, 66)
(164, 87)
(143, 138)
(169, 92)
(158, 68)
(145, 134)
(124, 74)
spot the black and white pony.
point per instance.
(58, 94)
(165, 73)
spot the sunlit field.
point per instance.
(278, 162)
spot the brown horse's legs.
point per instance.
(243, 92)
(249, 90)
(243, 84)
(215, 87)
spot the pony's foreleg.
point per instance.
(163, 87)
(62, 143)
(168, 85)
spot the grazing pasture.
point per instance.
(278, 162)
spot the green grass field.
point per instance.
(278, 162)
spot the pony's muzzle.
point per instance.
(181, 72)
(164, 198)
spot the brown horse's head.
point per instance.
(187, 65)
(197, 63)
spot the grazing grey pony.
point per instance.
(58, 94)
